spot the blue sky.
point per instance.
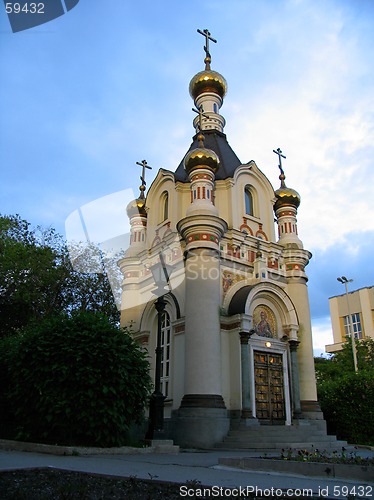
(85, 96)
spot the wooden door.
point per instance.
(269, 387)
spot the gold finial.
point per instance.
(208, 57)
(200, 137)
(280, 156)
(144, 165)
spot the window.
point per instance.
(164, 206)
(248, 201)
(356, 325)
(165, 356)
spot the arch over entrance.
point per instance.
(274, 299)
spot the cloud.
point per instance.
(322, 335)
(321, 117)
(353, 259)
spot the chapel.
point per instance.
(232, 311)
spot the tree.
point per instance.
(75, 380)
(347, 405)
(347, 397)
(37, 278)
(341, 362)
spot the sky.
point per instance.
(87, 95)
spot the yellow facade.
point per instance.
(360, 306)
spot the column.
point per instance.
(295, 379)
(244, 357)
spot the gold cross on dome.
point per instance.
(208, 37)
(280, 156)
(143, 164)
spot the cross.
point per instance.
(280, 156)
(206, 46)
(143, 164)
(200, 112)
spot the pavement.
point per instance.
(194, 466)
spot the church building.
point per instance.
(235, 332)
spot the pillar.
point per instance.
(246, 414)
(295, 379)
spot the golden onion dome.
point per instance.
(208, 81)
(201, 158)
(286, 197)
(136, 207)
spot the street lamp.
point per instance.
(345, 282)
(161, 275)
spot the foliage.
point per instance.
(346, 397)
(347, 404)
(326, 457)
(364, 353)
(342, 362)
(75, 380)
(37, 278)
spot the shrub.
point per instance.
(347, 404)
(77, 380)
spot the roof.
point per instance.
(216, 141)
(351, 292)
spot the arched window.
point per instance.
(248, 198)
(166, 354)
(164, 206)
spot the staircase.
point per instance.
(305, 435)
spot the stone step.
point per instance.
(275, 439)
(265, 447)
(305, 434)
(284, 432)
(319, 425)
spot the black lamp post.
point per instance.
(161, 273)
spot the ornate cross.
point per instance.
(280, 156)
(143, 164)
(200, 112)
(208, 57)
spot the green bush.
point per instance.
(77, 381)
(347, 404)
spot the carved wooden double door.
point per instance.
(269, 387)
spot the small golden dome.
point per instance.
(136, 207)
(201, 158)
(286, 197)
(208, 81)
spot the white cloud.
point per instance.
(321, 119)
(322, 335)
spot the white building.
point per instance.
(236, 332)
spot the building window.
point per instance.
(356, 325)
(166, 354)
(164, 205)
(248, 201)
